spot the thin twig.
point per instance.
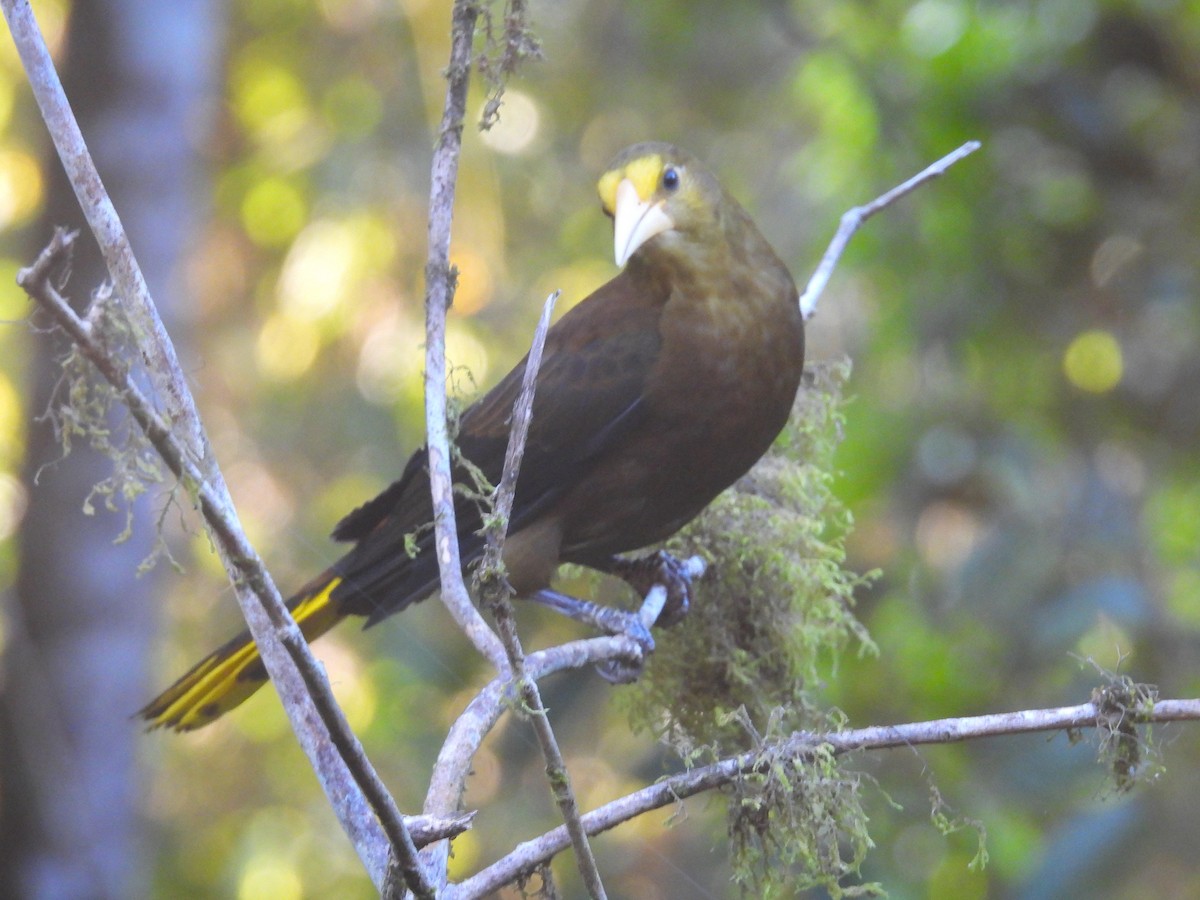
(494, 595)
(522, 415)
(427, 829)
(357, 795)
(439, 293)
(854, 218)
(530, 854)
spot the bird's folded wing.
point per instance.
(589, 396)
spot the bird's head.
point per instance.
(656, 189)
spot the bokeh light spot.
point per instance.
(575, 281)
(1183, 596)
(287, 347)
(1113, 255)
(12, 422)
(13, 500)
(8, 96)
(268, 876)
(464, 855)
(467, 360)
(318, 271)
(1093, 362)
(517, 127)
(268, 99)
(475, 282)
(350, 15)
(1065, 22)
(946, 534)
(487, 774)
(391, 360)
(273, 211)
(354, 687)
(21, 187)
(931, 27)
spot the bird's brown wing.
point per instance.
(589, 395)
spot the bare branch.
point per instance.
(522, 415)
(427, 829)
(466, 735)
(443, 799)
(530, 854)
(439, 293)
(158, 353)
(556, 767)
(853, 219)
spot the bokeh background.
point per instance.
(1020, 451)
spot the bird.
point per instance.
(655, 393)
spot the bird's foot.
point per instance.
(612, 621)
(675, 576)
(665, 584)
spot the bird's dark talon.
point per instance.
(627, 671)
(618, 671)
(643, 572)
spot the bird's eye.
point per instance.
(670, 178)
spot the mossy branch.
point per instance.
(809, 748)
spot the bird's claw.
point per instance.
(642, 573)
(665, 584)
(618, 622)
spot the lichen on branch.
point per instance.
(505, 48)
(85, 407)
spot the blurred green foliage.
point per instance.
(1019, 453)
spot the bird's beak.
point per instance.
(635, 221)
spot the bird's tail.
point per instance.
(234, 671)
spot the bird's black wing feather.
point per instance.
(589, 395)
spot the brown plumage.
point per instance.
(655, 394)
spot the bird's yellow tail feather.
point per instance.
(230, 674)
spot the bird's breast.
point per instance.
(730, 356)
(729, 365)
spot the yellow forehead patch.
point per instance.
(644, 172)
